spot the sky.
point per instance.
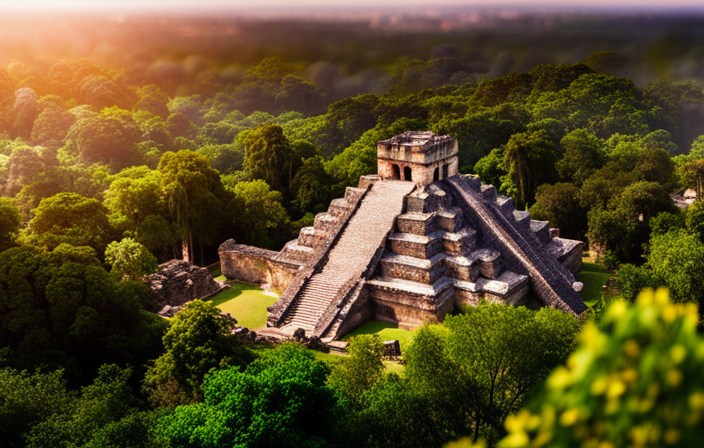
(127, 5)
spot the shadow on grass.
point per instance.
(594, 276)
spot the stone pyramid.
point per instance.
(408, 245)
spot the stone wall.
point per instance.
(254, 265)
(410, 309)
(421, 174)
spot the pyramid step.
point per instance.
(416, 223)
(489, 192)
(505, 204)
(490, 262)
(522, 217)
(412, 268)
(541, 229)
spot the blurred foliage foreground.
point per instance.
(633, 381)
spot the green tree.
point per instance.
(694, 219)
(624, 227)
(51, 126)
(159, 236)
(278, 400)
(482, 364)
(28, 399)
(560, 204)
(136, 193)
(105, 414)
(362, 369)
(69, 218)
(194, 195)
(509, 352)
(179, 125)
(268, 156)
(393, 415)
(677, 259)
(582, 154)
(224, 158)
(9, 223)
(300, 95)
(692, 174)
(530, 160)
(312, 183)
(62, 309)
(258, 216)
(490, 168)
(129, 259)
(197, 341)
(631, 280)
(152, 100)
(101, 92)
(666, 221)
(633, 380)
(110, 137)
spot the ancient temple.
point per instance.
(408, 245)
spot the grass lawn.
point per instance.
(246, 303)
(385, 330)
(594, 276)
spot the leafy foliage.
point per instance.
(69, 218)
(361, 370)
(197, 341)
(129, 259)
(278, 400)
(62, 309)
(634, 380)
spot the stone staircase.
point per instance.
(349, 258)
(325, 227)
(315, 297)
(528, 243)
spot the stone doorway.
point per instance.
(396, 172)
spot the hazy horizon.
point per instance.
(269, 6)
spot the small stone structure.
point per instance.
(177, 282)
(407, 249)
(420, 157)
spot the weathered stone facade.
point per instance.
(421, 157)
(408, 252)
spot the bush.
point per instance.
(636, 381)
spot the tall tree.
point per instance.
(530, 159)
(268, 156)
(193, 192)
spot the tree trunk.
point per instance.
(202, 258)
(190, 243)
(184, 250)
(290, 175)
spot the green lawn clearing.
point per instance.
(246, 303)
(385, 330)
(594, 277)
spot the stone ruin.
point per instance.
(407, 246)
(177, 282)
